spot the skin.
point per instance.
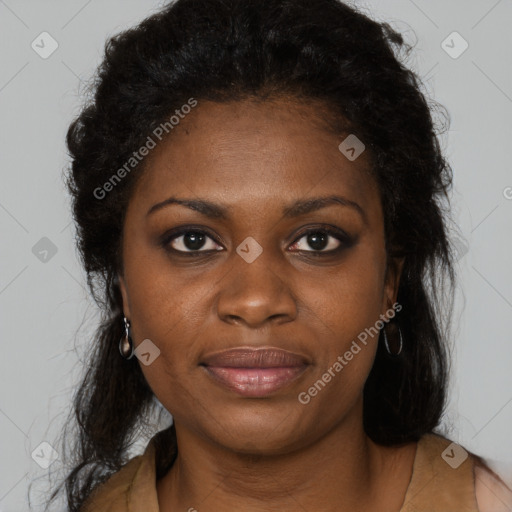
(271, 453)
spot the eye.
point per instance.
(191, 241)
(323, 240)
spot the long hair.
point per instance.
(224, 51)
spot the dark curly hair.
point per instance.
(225, 51)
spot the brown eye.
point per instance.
(190, 241)
(326, 240)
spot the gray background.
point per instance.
(46, 315)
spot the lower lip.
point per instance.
(255, 382)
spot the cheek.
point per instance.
(171, 314)
(346, 317)
(344, 312)
(349, 298)
(175, 390)
(164, 299)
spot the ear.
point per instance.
(124, 294)
(393, 274)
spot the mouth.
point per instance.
(255, 372)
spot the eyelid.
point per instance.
(339, 234)
(175, 233)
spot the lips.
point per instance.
(255, 372)
(255, 358)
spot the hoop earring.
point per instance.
(126, 342)
(387, 344)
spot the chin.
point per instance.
(261, 434)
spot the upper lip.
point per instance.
(241, 357)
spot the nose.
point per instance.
(254, 294)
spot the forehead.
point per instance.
(254, 151)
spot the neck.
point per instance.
(338, 472)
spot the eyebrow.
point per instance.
(295, 209)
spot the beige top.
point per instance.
(443, 480)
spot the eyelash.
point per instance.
(345, 240)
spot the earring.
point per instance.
(387, 345)
(126, 342)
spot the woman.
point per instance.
(258, 189)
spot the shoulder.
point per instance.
(442, 477)
(492, 494)
(112, 495)
(133, 487)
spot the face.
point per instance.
(256, 270)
